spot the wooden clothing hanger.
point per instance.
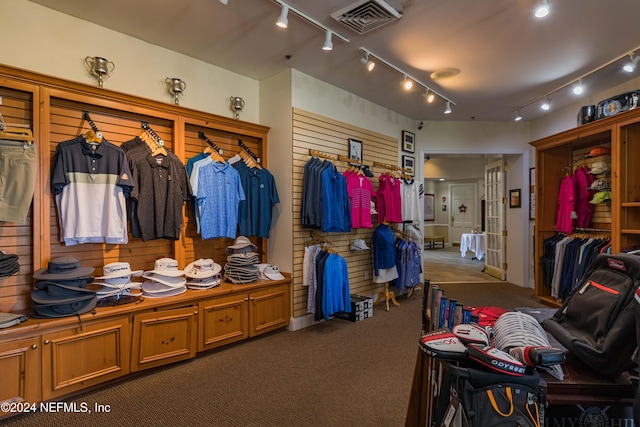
(93, 137)
(16, 134)
(215, 156)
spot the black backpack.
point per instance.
(597, 321)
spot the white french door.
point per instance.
(494, 219)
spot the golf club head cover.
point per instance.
(443, 344)
(471, 333)
(538, 356)
(495, 360)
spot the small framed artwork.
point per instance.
(408, 163)
(408, 142)
(514, 198)
(429, 207)
(355, 150)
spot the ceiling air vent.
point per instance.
(366, 15)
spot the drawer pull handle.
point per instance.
(34, 346)
(47, 341)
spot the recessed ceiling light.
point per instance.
(445, 73)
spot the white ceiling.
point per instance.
(507, 58)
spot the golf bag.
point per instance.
(597, 321)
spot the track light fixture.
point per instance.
(630, 66)
(578, 88)
(368, 63)
(283, 20)
(408, 83)
(517, 117)
(542, 9)
(631, 61)
(430, 94)
(329, 34)
(328, 44)
(448, 109)
(546, 104)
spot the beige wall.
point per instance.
(39, 39)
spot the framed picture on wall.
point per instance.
(429, 207)
(409, 163)
(514, 198)
(355, 150)
(408, 142)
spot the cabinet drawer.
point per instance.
(162, 337)
(20, 367)
(75, 359)
(222, 321)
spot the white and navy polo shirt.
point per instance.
(91, 182)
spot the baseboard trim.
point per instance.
(301, 322)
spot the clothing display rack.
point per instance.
(94, 136)
(212, 144)
(316, 153)
(248, 156)
(248, 150)
(152, 132)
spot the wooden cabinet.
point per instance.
(222, 321)
(86, 355)
(557, 156)
(269, 309)
(232, 318)
(628, 212)
(163, 336)
(20, 367)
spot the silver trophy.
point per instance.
(99, 67)
(237, 104)
(175, 86)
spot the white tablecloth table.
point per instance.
(473, 242)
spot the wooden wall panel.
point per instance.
(195, 246)
(311, 131)
(66, 122)
(16, 108)
(53, 108)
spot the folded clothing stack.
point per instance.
(241, 262)
(165, 280)
(8, 264)
(61, 289)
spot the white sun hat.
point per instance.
(166, 267)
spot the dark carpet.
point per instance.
(335, 373)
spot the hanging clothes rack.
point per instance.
(316, 153)
(213, 150)
(158, 149)
(152, 132)
(94, 135)
(248, 150)
(248, 156)
(206, 139)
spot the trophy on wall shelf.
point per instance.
(237, 104)
(176, 87)
(99, 67)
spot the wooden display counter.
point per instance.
(43, 359)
